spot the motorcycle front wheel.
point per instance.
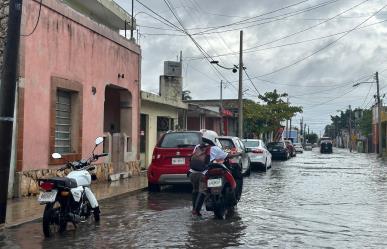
(87, 213)
(53, 220)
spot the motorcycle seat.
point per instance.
(64, 182)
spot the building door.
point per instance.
(118, 122)
(144, 141)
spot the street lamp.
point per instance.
(234, 69)
(376, 77)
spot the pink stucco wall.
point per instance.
(70, 49)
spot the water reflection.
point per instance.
(313, 200)
(214, 233)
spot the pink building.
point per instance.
(79, 79)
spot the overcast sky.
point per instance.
(314, 50)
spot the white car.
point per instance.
(298, 147)
(258, 153)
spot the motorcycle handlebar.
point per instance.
(100, 155)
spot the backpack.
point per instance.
(200, 158)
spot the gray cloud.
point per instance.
(360, 53)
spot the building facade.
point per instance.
(161, 112)
(79, 79)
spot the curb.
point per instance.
(128, 193)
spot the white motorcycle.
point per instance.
(69, 199)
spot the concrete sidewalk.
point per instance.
(22, 210)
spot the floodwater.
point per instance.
(334, 200)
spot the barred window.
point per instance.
(63, 122)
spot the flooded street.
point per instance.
(334, 200)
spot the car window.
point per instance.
(275, 145)
(180, 139)
(226, 143)
(240, 144)
(251, 143)
(217, 142)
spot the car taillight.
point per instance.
(156, 154)
(47, 186)
(215, 172)
(64, 193)
(258, 151)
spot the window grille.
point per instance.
(63, 122)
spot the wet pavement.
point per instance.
(334, 200)
(22, 210)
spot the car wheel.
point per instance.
(247, 172)
(152, 187)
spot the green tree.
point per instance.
(311, 138)
(267, 117)
(365, 122)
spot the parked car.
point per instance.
(326, 146)
(291, 148)
(235, 147)
(171, 157)
(258, 153)
(279, 150)
(308, 147)
(298, 147)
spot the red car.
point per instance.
(291, 148)
(171, 157)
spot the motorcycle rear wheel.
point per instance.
(220, 212)
(52, 220)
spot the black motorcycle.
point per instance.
(223, 192)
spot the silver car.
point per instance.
(298, 147)
(258, 152)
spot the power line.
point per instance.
(272, 19)
(321, 49)
(329, 90)
(37, 21)
(169, 5)
(250, 18)
(289, 44)
(244, 69)
(310, 27)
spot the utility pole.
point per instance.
(221, 108)
(287, 120)
(131, 23)
(240, 100)
(350, 128)
(7, 99)
(305, 133)
(380, 151)
(301, 133)
(290, 128)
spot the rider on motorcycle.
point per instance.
(197, 169)
(214, 154)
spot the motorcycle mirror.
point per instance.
(56, 155)
(98, 141)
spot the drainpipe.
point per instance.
(7, 99)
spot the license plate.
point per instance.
(275, 149)
(178, 161)
(213, 183)
(47, 196)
